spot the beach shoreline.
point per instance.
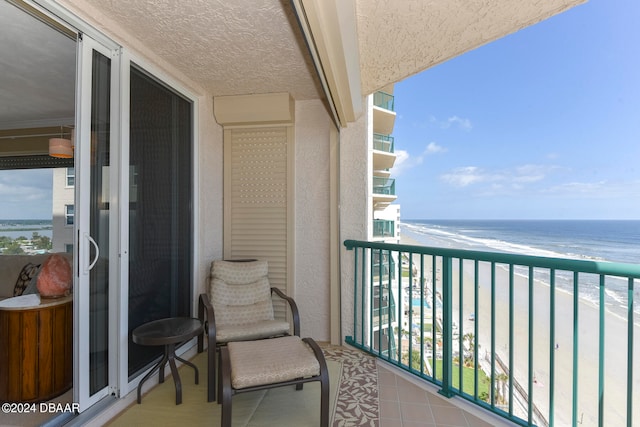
(544, 348)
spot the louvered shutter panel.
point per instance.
(257, 201)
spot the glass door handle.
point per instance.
(95, 245)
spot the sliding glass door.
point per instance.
(94, 135)
(160, 208)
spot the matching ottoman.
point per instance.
(257, 365)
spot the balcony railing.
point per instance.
(384, 309)
(383, 100)
(383, 228)
(386, 186)
(538, 341)
(383, 143)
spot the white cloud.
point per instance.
(453, 121)
(513, 178)
(464, 124)
(464, 176)
(402, 163)
(405, 161)
(531, 173)
(434, 148)
(596, 190)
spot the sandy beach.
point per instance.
(561, 348)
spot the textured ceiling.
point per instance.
(400, 38)
(248, 46)
(37, 72)
(228, 47)
(255, 46)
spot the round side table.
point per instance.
(167, 332)
(36, 348)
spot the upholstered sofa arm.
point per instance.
(207, 316)
(293, 307)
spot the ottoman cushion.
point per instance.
(271, 361)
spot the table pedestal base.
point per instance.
(169, 356)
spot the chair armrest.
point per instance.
(294, 309)
(208, 318)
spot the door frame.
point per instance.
(83, 243)
(128, 60)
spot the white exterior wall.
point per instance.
(312, 209)
(210, 158)
(355, 202)
(62, 195)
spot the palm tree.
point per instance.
(501, 387)
(470, 338)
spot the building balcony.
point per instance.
(384, 143)
(383, 100)
(383, 228)
(382, 395)
(383, 152)
(384, 186)
(384, 192)
(531, 352)
(515, 336)
(384, 116)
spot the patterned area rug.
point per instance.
(357, 403)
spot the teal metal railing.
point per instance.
(538, 341)
(383, 228)
(383, 143)
(383, 100)
(385, 186)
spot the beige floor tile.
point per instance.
(475, 421)
(410, 393)
(388, 393)
(449, 416)
(389, 409)
(386, 378)
(416, 412)
(418, 424)
(390, 422)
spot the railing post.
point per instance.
(447, 336)
(630, 353)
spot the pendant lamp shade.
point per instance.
(60, 147)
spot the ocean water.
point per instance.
(15, 228)
(599, 240)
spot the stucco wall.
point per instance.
(355, 203)
(209, 235)
(312, 206)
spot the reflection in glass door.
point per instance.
(99, 224)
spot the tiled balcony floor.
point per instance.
(403, 403)
(369, 393)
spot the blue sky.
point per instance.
(26, 194)
(541, 124)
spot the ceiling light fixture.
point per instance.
(61, 147)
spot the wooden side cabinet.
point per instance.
(36, 351)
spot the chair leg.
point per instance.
(211, 374)
(324, 400)
(324, 382)
(225, 393)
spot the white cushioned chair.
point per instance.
(239, 307)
